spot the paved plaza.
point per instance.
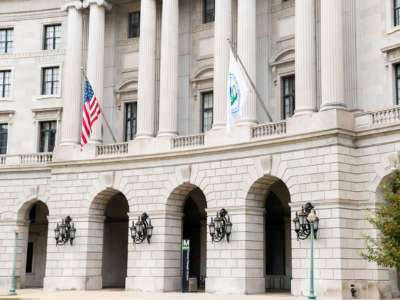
(115, 294)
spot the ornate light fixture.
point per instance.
(65, 231)
(306, 224)
(142, 229)
(302, 225)
(220, 226)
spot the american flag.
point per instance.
(90, 112)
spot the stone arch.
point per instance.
(32, 224)
(271, 194)
(188, 202)
(108, 234)
(394, 276)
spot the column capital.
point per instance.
(71, 4)
(104, 3)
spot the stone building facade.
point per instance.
(334, 138)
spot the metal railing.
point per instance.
(188, 141)
(270, 129)
(112, 149)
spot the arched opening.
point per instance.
(194, 229)
(277, 239)
(394, 275)
(271, 193)
(108, 236)
(34, 235)
(115, 242)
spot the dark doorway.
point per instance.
(36, 247)
(277, 244)
(195, 230)
(115, 243)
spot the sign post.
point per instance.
(185, 265)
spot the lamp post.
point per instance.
(12, 291)
(142, 229)
(305, 224)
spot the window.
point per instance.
(289, 106)
(130, 120)
(6, 40)
(209, 11)
(29, 258)
(207, 111)
(134, 24)
(5, 83)
(3, 138)
(47, 136)
(397, 78)
(51, 81)
(52, 37)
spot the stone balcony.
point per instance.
(302, 126)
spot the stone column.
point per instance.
(147, 69)
(247, 51)
(332, 55)
(95, 60)
(169, 69)
(306, 88)
(72, 76)
(223, 30)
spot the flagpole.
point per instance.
(258, 96)
(101, 111)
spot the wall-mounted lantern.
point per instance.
(220, 226)
(302, 224)
(142, 229)
(65, 231)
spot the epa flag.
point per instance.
(236, 94)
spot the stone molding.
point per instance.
(76, 4)
(104, 3)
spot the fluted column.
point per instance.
(169, 69)
(72, 75)
(247, 51)
(95, 60)
(332, 55)
(223, 30)
(306, 87)
(147, 69)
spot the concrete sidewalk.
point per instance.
(111, 294)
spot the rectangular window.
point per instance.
(207, 111)
(50, 81)
(47, 136)
(5, 83)
(397, 78)
(29, 258)
(3, 138)
(209, 11)
(6, 40)
(52, 37)
(134, 24)
(288, 92)
(130, 120)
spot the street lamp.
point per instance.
(65, 231)
(306, 223)
(12, 291)
(142, 229)
(220, 226)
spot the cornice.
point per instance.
(41, 53)
(31, 15)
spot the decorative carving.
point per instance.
(185, 173)
(394, 160)
(107, 179)
(266, 164)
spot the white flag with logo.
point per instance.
(236, 94)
